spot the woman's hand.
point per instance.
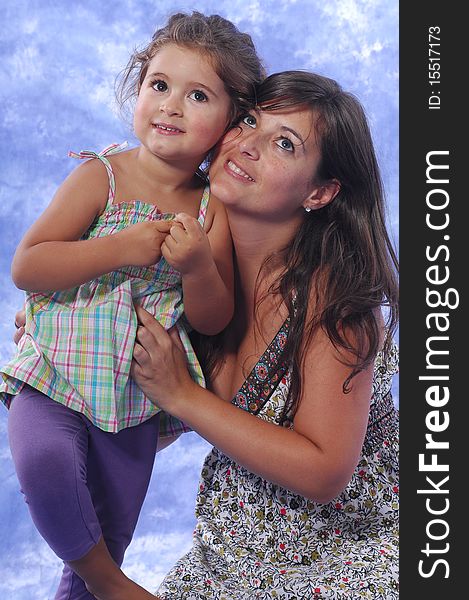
(159, 365)
(20, 321)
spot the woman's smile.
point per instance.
(237, 172)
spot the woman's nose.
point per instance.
(249, 145)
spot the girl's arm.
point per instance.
(51, 256)
(316, 459)
(205, 260)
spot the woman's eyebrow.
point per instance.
(293, 132)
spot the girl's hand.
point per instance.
(20, 321)
(141, 243)
(187, 248)
(159, 365)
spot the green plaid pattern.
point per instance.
(78, 343)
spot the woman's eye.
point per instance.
(160, 85)
(250, 121)
(285, 144)
(198, 96)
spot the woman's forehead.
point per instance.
(303, 114)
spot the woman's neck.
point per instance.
(254, 241)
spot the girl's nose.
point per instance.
(171, 107)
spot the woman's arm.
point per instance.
(316, 459)
(51, 256)
(205, 260)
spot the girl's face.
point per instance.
(182, 108)
(267, 166)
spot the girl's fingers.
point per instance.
(177, 233)
(163, 226)
(190, 224)
(170, 243)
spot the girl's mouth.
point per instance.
(166, 129)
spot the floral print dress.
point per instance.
(255, 540)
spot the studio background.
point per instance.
(58, 63)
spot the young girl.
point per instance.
(131, 228)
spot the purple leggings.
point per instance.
(79, 482)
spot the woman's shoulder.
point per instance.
(386, 365)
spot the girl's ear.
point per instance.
(322, 195)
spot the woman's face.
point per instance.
(267, 166)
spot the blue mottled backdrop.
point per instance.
(58, 63)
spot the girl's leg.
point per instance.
(49, 445)
(119, 471)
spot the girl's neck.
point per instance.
(171, 176)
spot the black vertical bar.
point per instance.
(433, 396)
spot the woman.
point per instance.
(298, 499)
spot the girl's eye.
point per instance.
(198, 96)
(250, 120)
(159, 85)
(285, 144)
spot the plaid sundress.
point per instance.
(78, 343)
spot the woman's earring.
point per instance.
(307, 208)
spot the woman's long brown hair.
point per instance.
(341, 258)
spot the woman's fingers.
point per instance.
(159, 365)
(20, 321)
(19, 332)
(174, 335)
(151, 335)
(147, 320)
(136, 370)
(141, 355)
(20, 318)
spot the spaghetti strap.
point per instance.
(204, 205)
(112, 149)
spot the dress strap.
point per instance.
(204, 205)
(112, 149)
(266, 374)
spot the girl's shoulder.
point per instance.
(90, 181)
(96, 172)
(123, 158)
